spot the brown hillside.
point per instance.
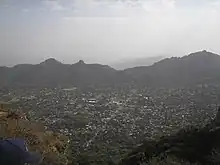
(52, 146)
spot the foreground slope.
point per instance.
(195, 145)
(53, 147)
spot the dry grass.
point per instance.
(52, 146)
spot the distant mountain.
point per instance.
(196, 68)
(53, 73)
(51, 62)
(85, 74)
(137, 62)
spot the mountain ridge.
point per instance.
(195, 68)
(54, 73)
(198, 67)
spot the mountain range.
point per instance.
(196, 68)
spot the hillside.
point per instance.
(53, 147)
(194, 145)
(196, 68)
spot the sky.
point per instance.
(105, 31)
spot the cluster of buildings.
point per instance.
(119, 117)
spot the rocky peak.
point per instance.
(81, 62)
(51, 61)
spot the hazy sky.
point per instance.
(105, 31)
